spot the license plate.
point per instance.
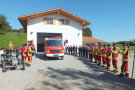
(55, 55)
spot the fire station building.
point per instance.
(53, 23)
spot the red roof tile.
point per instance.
(91, 39)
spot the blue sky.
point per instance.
(112, 20)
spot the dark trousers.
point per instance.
(108, 60)
(68, 52)
(79, 53)
(86, 54)
(76, 53)
(71, 52)
(83, 53)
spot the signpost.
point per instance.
(133, 66)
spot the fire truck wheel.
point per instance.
(15, 67)
(62, 58)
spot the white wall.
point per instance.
(70, 32)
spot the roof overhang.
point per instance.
(24, 19)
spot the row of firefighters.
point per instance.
(103, 55)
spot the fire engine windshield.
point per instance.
(54, 43)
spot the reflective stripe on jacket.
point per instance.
(29, 51)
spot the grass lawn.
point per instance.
(17, 39)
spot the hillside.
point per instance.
(17, 39)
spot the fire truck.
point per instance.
(53, 47)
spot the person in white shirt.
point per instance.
(1, 52)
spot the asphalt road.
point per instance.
(72, 73)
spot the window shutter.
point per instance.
(54, 21)
(45, 20)
(67, 22)
(59, 21)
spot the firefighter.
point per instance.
(83, 50)
(109, 57)
(76, 50)
(100, 53)
(69, 50)
(73, 49)
(91, 52)
(115, 53)
(79, 49)
(66, 49)
(29, 52)
(24, 52)
(104, 55)
(95, 53)
(86, 51)
(125, 59)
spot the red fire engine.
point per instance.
(53, 47)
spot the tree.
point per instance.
(4, 24)
(87, 32)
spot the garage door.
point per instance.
(40, 39)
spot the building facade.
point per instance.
(53, 23)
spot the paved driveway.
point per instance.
(72, 73)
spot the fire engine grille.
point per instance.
(53, 51)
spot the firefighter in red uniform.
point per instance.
(124, 67)
(109, 57)
(95, 53)
(100, 55)
(115, 53)
(29, 52)
(91, 52)
(104, 55)
(24, 52)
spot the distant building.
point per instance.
(53, 23)
(90, 40)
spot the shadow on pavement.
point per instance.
(88, 80)
(68, 78)
(74, 79)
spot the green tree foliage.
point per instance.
(130, 43)
(87, 32)
(4, 24)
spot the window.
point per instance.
(63, 22)
(54, 43)
(49, 21)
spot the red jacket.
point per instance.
(24, 52)
(125, 53)
(104, 51)
(115, 53)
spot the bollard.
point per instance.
(133, 66)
